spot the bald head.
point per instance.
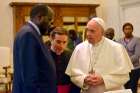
(42, 15)
(109, 33)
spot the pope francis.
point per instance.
(98, 64)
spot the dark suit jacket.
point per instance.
(61, 62)
(34, 69)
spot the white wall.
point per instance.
(117, 12)
(130, 13)
(110, 13)
(6, 26)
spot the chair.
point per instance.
(5, 76)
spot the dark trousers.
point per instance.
(75, 89)
(133, 82)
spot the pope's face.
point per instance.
(94, 32)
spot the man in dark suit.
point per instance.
(34, 69)
(61, 56)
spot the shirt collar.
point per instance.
(35, 26)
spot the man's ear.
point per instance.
(51, 38)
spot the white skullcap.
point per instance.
(100, 21)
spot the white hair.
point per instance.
(99, 21)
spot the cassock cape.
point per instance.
(113, 64)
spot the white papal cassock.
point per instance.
(107, 58)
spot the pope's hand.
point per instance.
(93, 79)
